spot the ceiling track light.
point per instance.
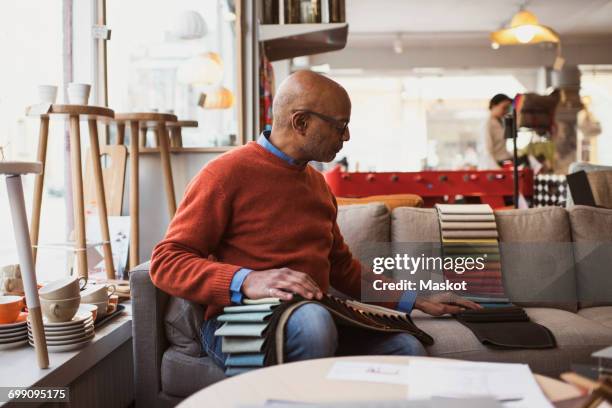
(398, 45)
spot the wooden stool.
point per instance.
(175, 130)
(74, 114)
(13, 171)
(139, 123)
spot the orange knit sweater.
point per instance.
(251, 209)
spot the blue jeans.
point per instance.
(311, 333)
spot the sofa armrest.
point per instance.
(149, 339)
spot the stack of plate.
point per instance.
(14, 334)
(66, 336)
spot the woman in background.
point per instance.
(494, 142)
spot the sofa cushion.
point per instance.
(534, 275)
(577, 337)
(183, 322)
(182, 375)
(601, 315)
(537, 258)
(592, 234)
(363, 225)
(415, 225)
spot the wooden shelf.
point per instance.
(282, 41)
(218, 149)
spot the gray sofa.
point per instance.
(169, 363)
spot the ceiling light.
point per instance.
(218, 98)
(398, 46)
(204, 69)
(524, 29)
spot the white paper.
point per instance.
(372, 372)
(511, 384)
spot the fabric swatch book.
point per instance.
(253, 334)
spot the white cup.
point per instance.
(78, 94)
(47, 93)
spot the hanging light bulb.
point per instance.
(525, 33)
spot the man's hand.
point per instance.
(444, 303)
(281, 283)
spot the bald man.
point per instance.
(260, 222)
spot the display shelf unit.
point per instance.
(282, 41)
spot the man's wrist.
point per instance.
(236, 294)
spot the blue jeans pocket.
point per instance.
(212, 344)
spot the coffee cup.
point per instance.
(88, 307)
(10, 307)
(113, 300)
(97, 293)
(102, 307)
(60, 310)
(47, 93)
(78, 94)
(10, 280)
(66, 288)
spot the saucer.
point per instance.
(7, 335)
(65, 347)
(61, 342)
(80, 318)
(8, 346)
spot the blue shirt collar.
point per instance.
(264, 141)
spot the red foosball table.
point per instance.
(485, 186)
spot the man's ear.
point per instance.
(299, 122)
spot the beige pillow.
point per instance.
(183, 323)
(592, 234)
(537, 258)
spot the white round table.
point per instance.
(305, 381)
(13, 172)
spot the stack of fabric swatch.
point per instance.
(253, 334)
(469, 231)
(244, 334)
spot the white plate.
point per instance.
(65, 347)
(13, 339)
(82, 334)
(12, 334)
(77, 326)
(13, 329)
(65, 342)
(13, 345)
(79, 318)
(49, 326)
(55, 333)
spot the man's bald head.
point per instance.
(311, 91)
(311, 114)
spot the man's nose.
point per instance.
(346, 136)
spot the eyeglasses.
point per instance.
(339, 125)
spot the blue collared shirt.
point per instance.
(406, 302)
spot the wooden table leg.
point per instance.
(120, 133)
(41, 156)
(167, 169)
(179, 137)
(134, 197)
(156, 132)
(142, 137)
(26, 264)
(77, 197)
(101, 198)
